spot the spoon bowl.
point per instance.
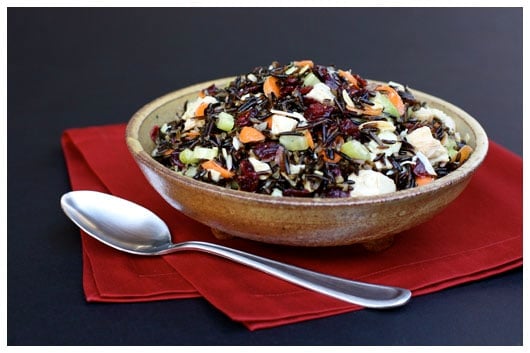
(139, 231)
(131, 228)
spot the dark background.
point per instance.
(89, 66)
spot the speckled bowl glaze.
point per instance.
(371, 220)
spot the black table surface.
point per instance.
(76, 67)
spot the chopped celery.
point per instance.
(387, 105)
(191, 171)
(205, 153)
(451, 146)
(310, 79)
(294, 142)
(225, 122)
(291, 70)
(187, 157)
(355, 150)
(276, 192)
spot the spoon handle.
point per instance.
(360, 293)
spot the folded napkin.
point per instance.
(478, 235)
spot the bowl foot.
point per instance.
(371, 245)
(379, 244)
(219, 234)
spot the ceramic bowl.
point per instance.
(370, 220)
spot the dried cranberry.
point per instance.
(211, 90)
(279, 158)
(248, 179)
(308, 101)
(419, 169)
(359, 95)
(347, 127)
(297, 193)
(305, 89)
(243, 90)
(330, 80)
(334, 170)
(175, 160)
(266, 151)
(360, 81)
(289, 85)
(336, 193)
(243, 119)
(154, 132)
(317, 111)
(292, 80)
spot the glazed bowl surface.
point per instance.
(368, 220)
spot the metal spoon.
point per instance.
(129, 227)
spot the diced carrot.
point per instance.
(269, 122)
(464, 153)
(424, 180)
(336, 157)
(348, 77)
(303, 63)
(212, 165)
(201, 109)
(190, 135)
(394, 97)
(168, 152)
(366, 110)
(309, 139)
(250, 134)
(336, 145)
(271, 86)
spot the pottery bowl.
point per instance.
(368, 220)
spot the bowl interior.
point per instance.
(165, 108)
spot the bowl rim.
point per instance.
(463, 172)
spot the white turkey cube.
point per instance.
(193, 123)
(282, 123)
(321, 93)
(369, 182)
(302, 121)
(192, 106)
(424, 142)
(259, 166)
(296, 168)
(427, 114)
(214, 175)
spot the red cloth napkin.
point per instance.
(477, 236)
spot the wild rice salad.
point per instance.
(310, 130)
